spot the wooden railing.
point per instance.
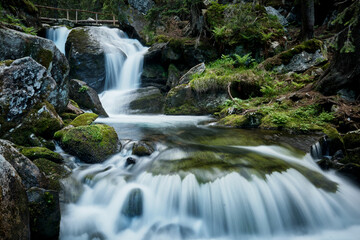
(97, 21)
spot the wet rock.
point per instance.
(184, 100)
(44, 211)
(142, 149)
(92, 144)
(133, 206)
(351, 170)
(174, 75)
(142, 6)
(130, 161)
(73, 108)
(198, 69)
(40, 152)
(27, 170)
(86, 97)
(154, 75)
(15, 45)
(86, 58)
(84, 119)
(146, 100)
(14, 220)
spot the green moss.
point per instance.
(352, 140)
(83, 89)
(188, 108)
(70, 116)
(54, 172)
(44, 57)
(40, 152)
(74, 103)
(6, 62)
(84, 119)
(233, 120)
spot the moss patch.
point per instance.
(54, 172)
(84, 119)
(44, 57)
(40, 152)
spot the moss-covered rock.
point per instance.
(146, 100)
(44, 211)
(142, 149)
(40, 152)
(92, 144)
(250, 120)
(84, 119)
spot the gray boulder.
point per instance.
(27, 170)
(15, 45)
(198, 69)
(146, 100)
(86, 97)
(14, 220)
(302, 61)
(86, 57)
(274, 12)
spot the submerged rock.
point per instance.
(92, 144)
(44, 211)
(15, 45)
(14, 214)
(86, 97)
(133, 206)
(86, 57)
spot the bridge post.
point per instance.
(76, 16)
(67, 14)
(96, 17)
(113, 19)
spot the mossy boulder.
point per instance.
(14, 220)
(142, 148)
(92, 144)
(250, 120)
(183, 100)
(44, 209)
(86, 57)
(40, 152)
(84, 119)
(310, 48)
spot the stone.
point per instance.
(130, 161)
(84, 119)
(15, 45)
(86, 97)
(146, 100)
(14, 220)
(86, 57)
(27, 170)
(71, 108)
(92, 144)
(44, 211)
(154, 75)
(40, 152)
(272, 11)
(174, 75)
(142, 148)
(133, 206)
(198, 69)
(303, 61)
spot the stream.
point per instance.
(201, 181)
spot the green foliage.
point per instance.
(83, 89)
(242, 23)
(17, 22)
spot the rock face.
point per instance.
(15, 45)
(14, 214)
(147, 100)
(92, 144)
(86, 97)
(44, 211)
(302, 61)
(142, 6)
(198, 69)
(86, 58)
(28, 171)
(183, 100)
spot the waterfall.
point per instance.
(123, 65)
(58, 35)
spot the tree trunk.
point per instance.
(307, 19)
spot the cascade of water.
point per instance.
(123, 65)
(58, 35)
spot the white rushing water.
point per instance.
(58, 35)
(123, 65)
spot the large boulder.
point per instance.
(86, 57)
(92, 144)
(14, 214)
(44, 211)
(184, 100)
(146, 100)
(86, 97)
(198, 69)
(15, 45)
(27, 170)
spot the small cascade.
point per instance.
(58, 35)
(123, 65)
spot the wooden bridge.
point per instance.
(95, 21)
